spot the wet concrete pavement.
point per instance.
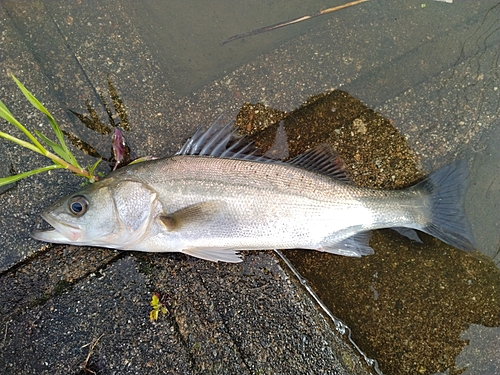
(224, 319)
(65, 307)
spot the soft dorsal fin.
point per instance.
(223, 141)
(325, 160)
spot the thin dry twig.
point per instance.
(291, 22)
(91, 345)
(6, 331)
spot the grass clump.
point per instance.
(57, 151)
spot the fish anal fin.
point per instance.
(408, 233)
(214, 255)
(197, 213)
(354, 246)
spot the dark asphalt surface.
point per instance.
(66, 310)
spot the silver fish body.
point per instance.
(212, 207)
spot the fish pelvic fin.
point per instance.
(447, 187)
(214, 255)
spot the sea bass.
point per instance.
(216, 197)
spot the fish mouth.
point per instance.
(59, 233)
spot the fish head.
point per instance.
(107, 213)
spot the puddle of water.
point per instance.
(483, 204)
(408, 303)
(185, 39)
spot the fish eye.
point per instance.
(78, 205)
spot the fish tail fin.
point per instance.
(447, 187)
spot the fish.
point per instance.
(218, 196)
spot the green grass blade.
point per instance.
(7, 116)
(56, 147)
(20, 142)
(94, 166)
(55, 127)
(142, 159)
(60, 137)
(4, 108)
(92, 170)
(10, 179)
(34, 101)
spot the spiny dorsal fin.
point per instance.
(325, 160)
(223, 141)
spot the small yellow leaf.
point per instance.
(153, 315)
(155, 301)
(157, 307)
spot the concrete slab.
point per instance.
(64, 52)
(224, 318)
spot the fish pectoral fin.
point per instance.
(354, 246)
(195, 214)
(214, 255)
